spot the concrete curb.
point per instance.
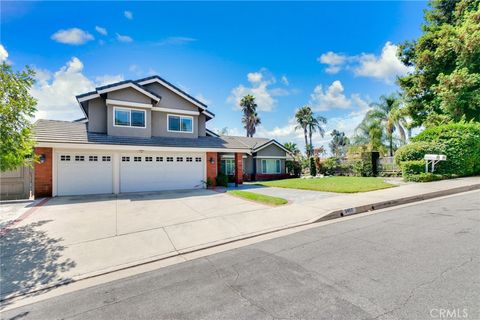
(335, 214)
(396, 202)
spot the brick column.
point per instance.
(43, 183)
(212, 167)
(238, 168)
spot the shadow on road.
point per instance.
(30, 258)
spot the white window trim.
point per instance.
(128, 104)
(179, 116)
(265, 167)
(178, 111)
(129, 110)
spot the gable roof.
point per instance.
(117, 86)
(256, 144)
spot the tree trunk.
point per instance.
(310, 146)
(391, 144)
(307, 150)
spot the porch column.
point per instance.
(238, 168)
(43, 179)
(211, 163)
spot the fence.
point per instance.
(387, 165)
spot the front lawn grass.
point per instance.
(331, 184)
(258, 197)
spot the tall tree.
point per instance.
(302, 117)
(338, 144)
(369, 133)
(445, 83)
(315, 124)
(389, 114)
(17, 107)
(250, 118)
(292, 147)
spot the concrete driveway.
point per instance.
(75, 237)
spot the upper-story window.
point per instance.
(124, 117)
(180, 123)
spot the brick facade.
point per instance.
(43, 182)
(212, 168)
(238, 168)
(273, 176)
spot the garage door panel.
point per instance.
(163, 172)
(84, 173)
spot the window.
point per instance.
(106, 158)
(137, 159)
(179, 159)
(180, 123)
(92, 158)
(270, 166)
(228, 167)
(125, 159)
(79, 158)
(159, 159)
(189, 159)
(148, 159)
(169, 159)
(198, 159)
(64, 158)
(129, 117)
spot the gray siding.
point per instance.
(129, 131)
(129, 94)
(272, 150)
(97, 116)
(248, 164)
(202, 130)
(170, 99)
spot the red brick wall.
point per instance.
(212, 167)
(43, 183)
(239, 168)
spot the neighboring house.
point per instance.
(144, 135)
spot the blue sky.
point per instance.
(335, 56)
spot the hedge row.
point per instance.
(460, 142)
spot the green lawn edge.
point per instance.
(331, 184)
(262, 198)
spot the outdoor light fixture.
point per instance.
(212, 161)
(42, 158)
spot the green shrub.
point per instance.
(367, 170)
(293, 167)
(417, 150)
(329, 166)
(461, 143)
(222, 180)
(313, 167)
(209, 182)
(412, 167)
(425, 177)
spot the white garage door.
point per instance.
(84, 173)
(161, 171)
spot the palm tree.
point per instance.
(314, 125)
(292, 147)
(338, 144)
(370, 133)
(390, 116)
(302, 117)
(250, 117)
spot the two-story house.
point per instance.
(144, 135)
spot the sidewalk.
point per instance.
(78, 260)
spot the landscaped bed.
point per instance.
(331, 184)
(262, 198)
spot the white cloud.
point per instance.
(56, 91)
(386, 67)
(260, 86)
(108, 79)
(101, 30)
(124, 38)
(332, 97)
(3, 53)
(202, 98)
(333, 60)
(284, 80)
(73, 36)
(128, 14)
(174, 41)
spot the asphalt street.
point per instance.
(415, 262)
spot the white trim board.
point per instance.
(270, 157)
(130, 118)
(128, 103)
(269, 143)
(129, 85)
(89, 97)
(177, 111)
(179, 131)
